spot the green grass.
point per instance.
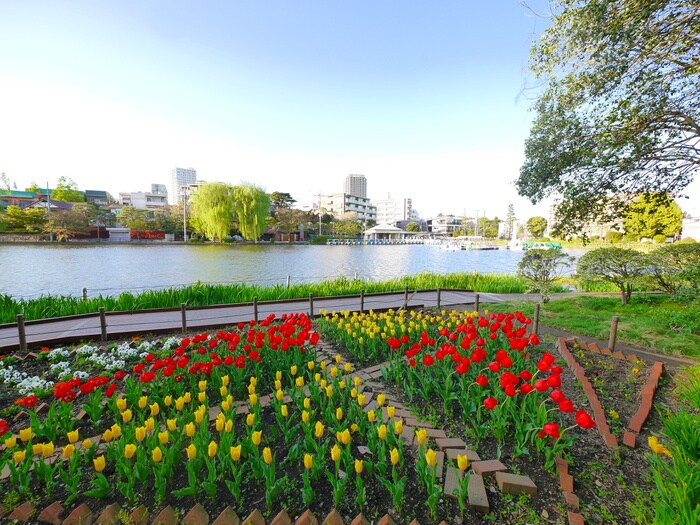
(657, 322)
(203, 294)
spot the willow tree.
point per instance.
(251, 204)
(619, 113)
(212, 210)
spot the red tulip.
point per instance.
(557, 396)
(554, 380)
(481, 380)
(584, 420)
(490, 403)
(551, 429)
(566, 405)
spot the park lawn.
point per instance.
(657, 322)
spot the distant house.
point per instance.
(17, 198)
(53, 204)
(98, 197)
(384, 232)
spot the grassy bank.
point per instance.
(658, 322)
(203, 294)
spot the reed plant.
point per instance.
(49, 306)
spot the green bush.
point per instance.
(660, 239)
(613, 237)
(631, 237)
(686, 240)
(319, 239)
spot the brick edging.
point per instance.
(640, 417)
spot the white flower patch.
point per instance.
(58, 354)
(87, 350)
(107, 362)
(24, 383)
(81, 375)
(170, 343)
(147, 346)
(59, 369)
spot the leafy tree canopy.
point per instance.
(69, 223)
(28, 219)
(619, 266)
(412, 227)
(5, 184)
(542, 267)
(619, 115)
(650, 215)
(67, 191)
(212, 207)
(536, 226)
(281, 200)
(134, 218)
(251, 205)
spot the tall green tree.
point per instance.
(542, 267)
(65, 224)
(619, 113)
(620, 266)
(26, 220)
(251, 205)
(135, 218)
(650, 215)
(212, 210)
(536, 226)
(289, 221)
(510, 220)
(5, 184)
(413, 227)
(67, 191)
(281, 200)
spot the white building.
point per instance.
(154, 199)
(691, 228)
(339, 204)
(356, 185)
(444, 225)
(391, 211)
(181, 177)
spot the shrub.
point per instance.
(619, 266)
(676, 267)
(660, 239)
(542, 267)
(631, 237)
(613, 237)
(686, 240)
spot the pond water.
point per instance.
(28, 271)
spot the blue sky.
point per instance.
(423, 98)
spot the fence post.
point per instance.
(255, 308)
(103, 323)
(84, 294)
(405, 298)
(362, 301)
(439, 297)
(311, 305)
(476, 302)
(288, 279)
(21, 332)
(613, 333)
(183, 309)
(536, 320)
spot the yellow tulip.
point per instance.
(323, 383)
(381, 431)
(47, 449)
(354, 427)
(462, 462)
(250, 419)
(359, 466)
(168, 400)
(307, 402)
(202, 397)
(225, 406)
(172, 424)
(381, 399)
(341, 385)
(344, 437)
(430, 457)
(228, 427)
(278, 384)
(308, 458)
(267, 455)
(334, 371)
(229, 399)
(212, 448)
(224, 380)
(143, 401)
(219, 425)
(658, 448)
(421, 435)
(155, 409)
(179, 403)
(353, 393)
(323, 365)
(25, 434)
(68, 451)
(357, 381)
(87, 444)
(398, 426)
(129, 451)
(347, 368)
(187, 397)
(191, 451)
(253, 381)
(150, 424)
(317, 377)
(278, 375)
(235, 453)
(99, 463)
(157, 454)
(310, 365)
(10, 442)
(223, 391)
(202, 385)
(284, 411)
(299, 381)
(371, 417)
(391, 411)
(361, 399)
(116, 431)
(329, 391)
(72, 436)
(279, 395)
(335, 453)
(339, 413)
(189, 429)
(19, 456)
(318, 430)
(107, 436)
(293, 370)
(140, 433)
(198, 416)
(257, 437)
(37, 448)
(394, 456)
(121, 404)
(126, 416)
(163, 437)
(305, 416)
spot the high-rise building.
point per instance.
(356, 185)
(391, 211)
(181, 177)
(339, 204)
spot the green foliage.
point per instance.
(613, 237)
(281, 200)
(660, 239)
(536, 226)
(542, 267)
(689, 387)
(24, 220)
(135, 218)
(251, 205)
(67, 191)
(650, 215)
(65, 224)
(212, 210)
(619, 266)
(412, 227)
(619, 113)
(289, 220)
(674, 267)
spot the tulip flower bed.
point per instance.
(484, 371)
